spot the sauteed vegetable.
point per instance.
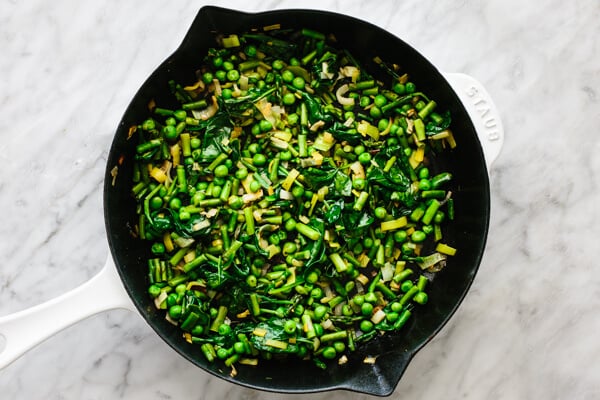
(290, 199)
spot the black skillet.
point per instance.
(394, 351)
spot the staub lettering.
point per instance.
(483, 109)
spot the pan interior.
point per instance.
(468, 232)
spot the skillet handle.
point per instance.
(483, 113)
(21, 331)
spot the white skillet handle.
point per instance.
(21, 331)
(483, 113)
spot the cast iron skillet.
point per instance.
(22, 330)
(468, 232)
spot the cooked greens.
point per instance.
(289, 199)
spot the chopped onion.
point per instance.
(339, 94)
(208, 112)
(370, 360)
(387, 272)
(358, 170)
(350, 71)
(285, 195)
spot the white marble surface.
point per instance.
(528, 328)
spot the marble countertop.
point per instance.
(527, 329)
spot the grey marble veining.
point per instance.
(527, 329)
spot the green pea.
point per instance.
(420, 104)
(319, 330)
(289, 248)
(320, 312)
(221, 171)
(277, 64)
(239, 347)
(175, 311)
(251, 281)
(299, 310)
(420, 298)
(316, 293)
(265, 125)
(399, 88)
(180, 115)
(375, 112)
(439, 217)
(418, 236)
(287, 76)
(380, 101)
(366, 326)
(380, 212)
(297, 191)
(156, 203)
(364, 101)
(235, 202)
(233, 75)
(383, 124)
(158, 248)
(410, 87)
(259, 160)
(250, 51)
(216, 191)
(288, 99)
(254, 148)
(241, 173)
(254, 186)
(339, 346)
(197, 330)
(366, 309)
(285, 155)
(400, 236)
(424, 184)
(424, 173)
(180, 289)
(184, 215)
(207, 77)
(392, 317)
(298, 82)
(170, 132)
(358, 248)
(364, 158)
(226, 93)
(221, 75)
(371, 298)
(329, 353)
(347, 310)
(359, 183)
(222, 353)
(396, 307)
(217, 62)
(290, 225)
(224, 329)
(228, 65)
(154, 290)
(406, 285)
(175, 203)
(368, 242)
(289, 326)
